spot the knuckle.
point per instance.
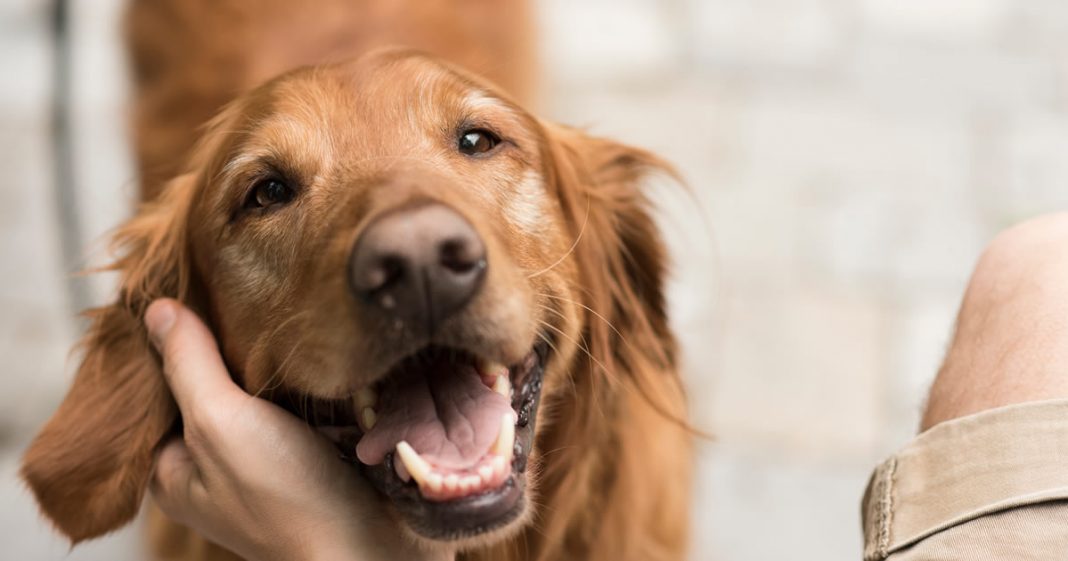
(163, 494)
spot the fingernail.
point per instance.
(159, 318)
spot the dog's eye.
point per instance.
(269, 192)
(478, 141)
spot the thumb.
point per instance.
(192, 365)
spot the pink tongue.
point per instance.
(445, 412)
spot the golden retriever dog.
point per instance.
(391, 246)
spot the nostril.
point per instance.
(383, 282)
(390, 271)
(379, 273)
(459, 256)
(418, 265)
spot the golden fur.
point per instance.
(577, 259)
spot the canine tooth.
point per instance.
(451, 482)
(415, 464)
(500, 465)
(488, 369)
(366, 397)
(369, 418)
(503, 386)
(433, 482)
(506, 438)
(402, 471)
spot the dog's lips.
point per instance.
(441, 491)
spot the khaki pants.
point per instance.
(991, 486)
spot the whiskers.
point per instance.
(582, 344)
(278, 376)
(574, 245)
(635, 365)
(661, 354)
(584, 347)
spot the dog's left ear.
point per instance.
(628, 399)
(90, 465)
(620, 253)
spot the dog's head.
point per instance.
(397, 252)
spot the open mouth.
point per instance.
(446, 435)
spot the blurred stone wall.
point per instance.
(847, 160)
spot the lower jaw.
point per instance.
(457, 519)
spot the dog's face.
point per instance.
(382, 236)
(398, 253)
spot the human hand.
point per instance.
(250, 476)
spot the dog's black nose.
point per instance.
(418, 264)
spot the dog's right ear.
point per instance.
(90, 465)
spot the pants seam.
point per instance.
(883, 496)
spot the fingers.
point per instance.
(192, 365)
(175, 483)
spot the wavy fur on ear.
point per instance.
(89, 466)
(615, 479)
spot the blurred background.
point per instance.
(849, 158)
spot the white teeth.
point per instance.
(365, 400)
(506, 438)
(503, 386)
(402, 471)
(366, 397)
(434, 482)
(436, 485)
(415, 464)
(499, 465)
(489, 369)
(369, 418)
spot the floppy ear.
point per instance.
(620, 253)
(89, 466)
(625, 401)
